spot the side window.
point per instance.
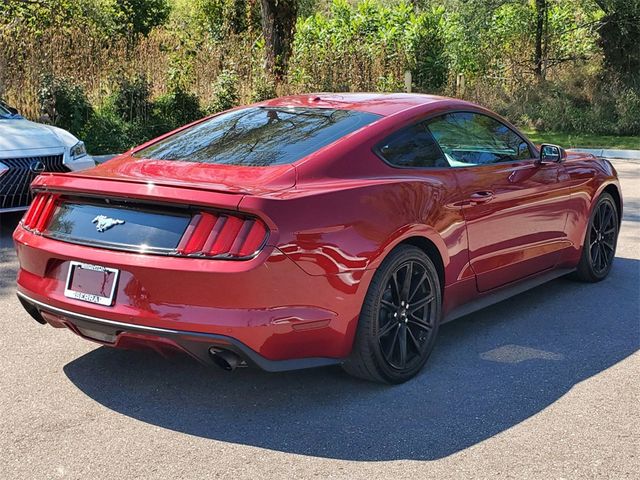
(474, 139)
(412, 147)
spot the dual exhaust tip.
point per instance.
(226, 359)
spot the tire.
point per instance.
(601, 238)
(389, 326)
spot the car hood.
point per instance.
(221, 178)
(21, 134)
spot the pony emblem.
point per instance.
(105, 223)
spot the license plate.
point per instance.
(91, 283)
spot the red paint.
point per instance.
(331, 218)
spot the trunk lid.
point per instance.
(233, 179)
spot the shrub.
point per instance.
(174, 109)
(263, 89)
(64, 103)
(362, 46)
(225, 92)
(107, 133)
(577, 104)
(131, 99)
(628, 109)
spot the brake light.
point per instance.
(39, 213)
(223, 235)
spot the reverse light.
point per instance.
(223, 236)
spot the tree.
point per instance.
(619, 35)
(138, 17)
(541, 21)
(278, 27)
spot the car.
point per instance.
(27, 149)
(313, 230)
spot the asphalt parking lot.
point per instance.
(544, 385)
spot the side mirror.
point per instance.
(550, 153)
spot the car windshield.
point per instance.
(4, 112)
(258, 136)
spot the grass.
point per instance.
(574, 140)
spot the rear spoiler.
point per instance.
(183, 194)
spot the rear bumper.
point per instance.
(127, 335)
(266, 307)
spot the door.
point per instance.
(513, 206)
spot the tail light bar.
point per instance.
(209, 234)
(223, 235)
(39, 213)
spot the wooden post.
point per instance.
(460, 85)
(407, 81)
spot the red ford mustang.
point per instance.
(313, 230)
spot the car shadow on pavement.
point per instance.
(489, 372)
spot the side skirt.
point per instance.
(504, 293)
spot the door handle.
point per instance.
(481, 197)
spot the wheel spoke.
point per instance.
(388, 305)
(609, 245)
(608, 216)
(415, 342)
(419, 322)
(392, 347)
(406, 284)
(402, 340)
(417, 287)
(601, 257)
(395, 289)
(390, 325)
(421, 303)
(597, 220)
(596, 257)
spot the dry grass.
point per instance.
(96, 63)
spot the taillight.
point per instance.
(223, 235)
(38, 215)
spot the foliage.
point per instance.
(330, 48)
(106, 132)
(217, 18)
(570, 140)
(139, 17)
(64, 103)
(498, 38)
(225, 92)
(132, 99)
(263, 89)
(619, 34)
(175, 109)
(278, 28)
(121, 71)
(576, 104)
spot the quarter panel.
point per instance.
(588, 177)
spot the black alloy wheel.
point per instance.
(399, 319)
(600, 242)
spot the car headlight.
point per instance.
(78, 150)
(3, 169)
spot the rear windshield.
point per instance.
(259, 136)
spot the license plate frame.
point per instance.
(90, 297)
